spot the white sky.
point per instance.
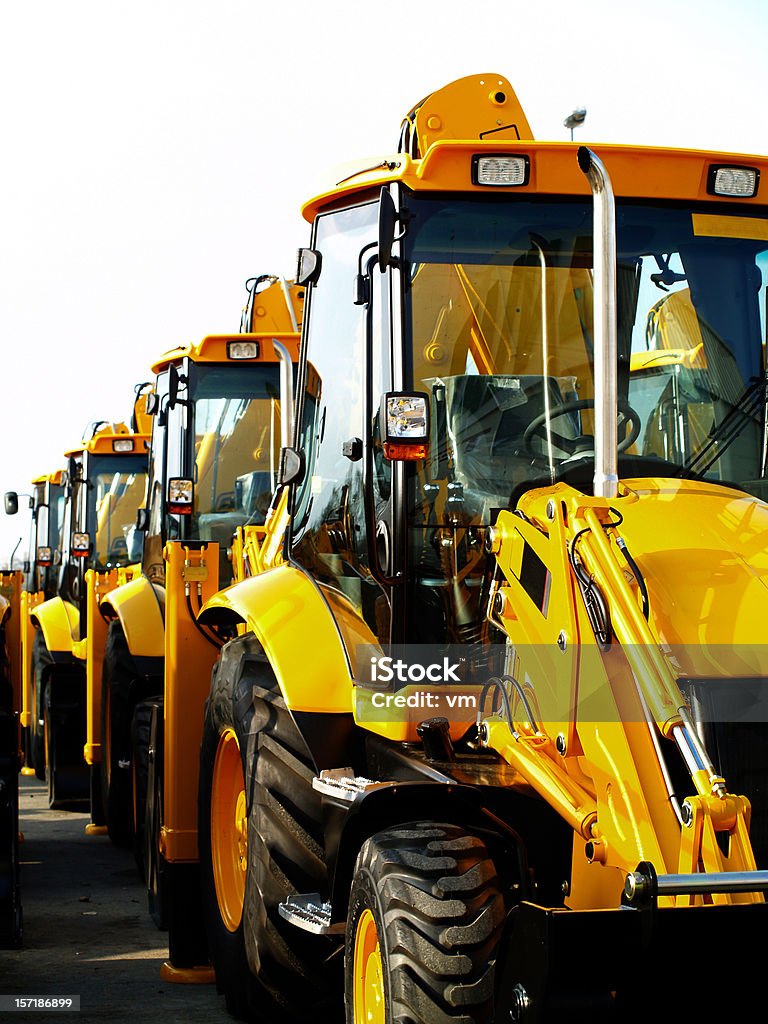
(156, 153)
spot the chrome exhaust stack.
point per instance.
(286, 393)
(606, 482)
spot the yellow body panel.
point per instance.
(314, 676)
(10, 591)
(138, 606)
(275, 309)
(29, 602)
(60, 622)
(465, 108)
(708, 617)
(98, 586)
(189, 658)
(608, 784)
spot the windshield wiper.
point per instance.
(721, 437)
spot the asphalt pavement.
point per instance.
(87, 932)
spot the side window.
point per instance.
(329, 521)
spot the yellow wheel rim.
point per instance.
(368, 1006)
(229, 830)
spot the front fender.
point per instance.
(294, 625)
(60, 622)
(138, 607)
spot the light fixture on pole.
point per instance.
(575, 119)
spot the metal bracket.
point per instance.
(194, 573)
(343, 784)
(310, 913)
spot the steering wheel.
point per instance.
(585, 442)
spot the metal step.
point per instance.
(309, 912)
(343, 784)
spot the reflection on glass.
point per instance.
(499, 333)
(117, 496)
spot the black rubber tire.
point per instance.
(66, 773)
(117, 701)
(96, 802)
(229, 706)
(41, 662)
(6, 687)
(155, 865)
(11, 927)
(292, 976)
(140, 730)
(49, 739)
(435, 897)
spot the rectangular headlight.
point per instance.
(740, 182)
(44, 556)
(123, 445)
(500, 170)
(243, 349)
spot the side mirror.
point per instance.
(11, 503)
(404, 422)
(175, 380)
(387, 224)
(173, 386)
(180, 498)
(44, 556)
(81, 545)
(309, 264)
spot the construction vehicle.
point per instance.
(216, 439)
(264, 311)
(18, 591)
(11, 925)
(489, 744)
(104, 483)
(25, 591)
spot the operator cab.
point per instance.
(481, 302)
(215, 444)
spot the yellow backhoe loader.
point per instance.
(104, 483)
(490, 742)
(37, 583)
(216, 441)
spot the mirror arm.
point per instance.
(369, 503)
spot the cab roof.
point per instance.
(215, 348)
(48, 478)
(105, 436)
(469, 118)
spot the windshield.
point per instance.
(500, 335)
(116, 487)
(236, 445)
(236, 437)
(55, 516)
(49, 500)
